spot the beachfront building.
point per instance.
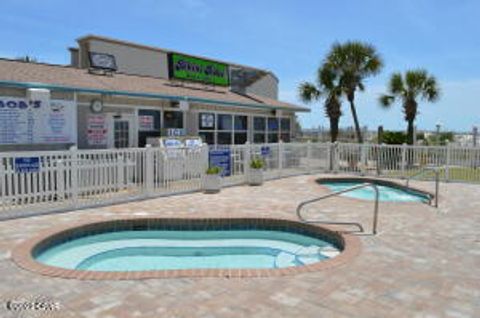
(116, 94)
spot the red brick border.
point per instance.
(23, 253)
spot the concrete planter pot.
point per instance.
(255, 177)
(212, 183)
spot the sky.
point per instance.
(290, 38)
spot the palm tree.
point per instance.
(325, 87)
(351, 63)
(408, 88)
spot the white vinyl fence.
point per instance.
(41, 182)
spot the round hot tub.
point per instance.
(140, 248)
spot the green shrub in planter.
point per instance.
(212, 181)
(255, 174)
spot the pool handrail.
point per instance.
(436, 171)
(337, 193)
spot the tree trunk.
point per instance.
(355, 120)
(410, 132)
(334, 129)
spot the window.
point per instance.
(223, 129)
(173, 119)
(241, 129)
(259, 126)
(285, 129)
(272, 130)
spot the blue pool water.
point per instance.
(162, 249)
(390, 194)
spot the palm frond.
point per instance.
(386, 100)
(308, 92)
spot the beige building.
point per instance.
(116, 94)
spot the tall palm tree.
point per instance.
(351, 63)
(408, 89)
(324, 88)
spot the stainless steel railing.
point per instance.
(436, 171)
(364, 185)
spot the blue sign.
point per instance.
(265, 151)
(221, 158)
(27, 164)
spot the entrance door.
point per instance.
(122, 132)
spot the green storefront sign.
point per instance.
(199, 70)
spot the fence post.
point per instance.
(447, 161)
(309, 156)
(149, 170)
(60, 179)
(363, 159)
(335, 157)
(280, 157)
(74, 175)
(403, 163)
(246, 160)
(121, 173)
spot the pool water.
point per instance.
(173, 249)
(387, 194)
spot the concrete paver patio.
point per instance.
(424, 263)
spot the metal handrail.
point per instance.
(364, 185)
(435, 170)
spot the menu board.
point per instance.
(97, 130)
(46, 121)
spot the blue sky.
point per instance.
(288, 37)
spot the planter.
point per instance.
(212, 183)
(255, 177)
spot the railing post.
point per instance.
(447, 162)
(247, 155)
(149, 170)
(74, 175)
(403, 163)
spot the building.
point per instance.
(115, 94)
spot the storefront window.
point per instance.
(259, 126)
(224, 138)
(173, 119)
(207, 137)
(224, 122)
(206, 121)
(241, 129)
(285, 129)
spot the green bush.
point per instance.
(257, 163)
(213, 170)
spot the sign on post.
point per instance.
(221, 158)
(265, 151)
(27, 164)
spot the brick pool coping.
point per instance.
(23, 254)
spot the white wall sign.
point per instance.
(44, 121)
(146, 123)
(97, 130)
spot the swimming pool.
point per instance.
(388, 191)
(146, 245)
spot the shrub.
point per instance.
(257, 163)
(213, 170)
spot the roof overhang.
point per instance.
(192, 99)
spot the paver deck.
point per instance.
(424, 263)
